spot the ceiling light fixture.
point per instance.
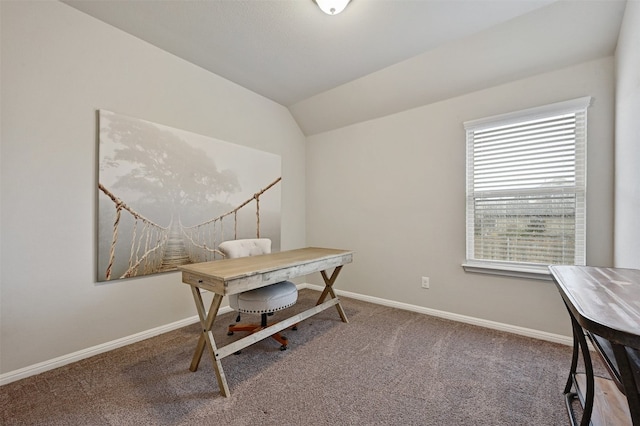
(332, 7)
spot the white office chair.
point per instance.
(263, 300)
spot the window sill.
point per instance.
(534, 272)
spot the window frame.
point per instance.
(522, 269)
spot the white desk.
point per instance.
(230, 276)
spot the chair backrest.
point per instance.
(245, 247)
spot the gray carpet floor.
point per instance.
(386, 367)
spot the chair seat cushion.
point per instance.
(271, 298)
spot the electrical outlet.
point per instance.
(425, 282)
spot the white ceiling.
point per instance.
(331, 71)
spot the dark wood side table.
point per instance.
(604, 305)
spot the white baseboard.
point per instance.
(522, 331)
(60, 361)
(41, 367)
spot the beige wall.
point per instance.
(627, 177)
(58, 67)
(393, 190)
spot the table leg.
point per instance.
(328, 289)
(628, 381)
(588, 366)
(574, 364)
(206, 338)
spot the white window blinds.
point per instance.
(526, 185)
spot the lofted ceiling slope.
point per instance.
(376, 58)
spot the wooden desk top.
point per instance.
(605, 301)
(229, 276)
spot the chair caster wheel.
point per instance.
(295, 327)
(283, 347)
(230, 333)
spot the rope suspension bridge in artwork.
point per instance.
(156, 248)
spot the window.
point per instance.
(526, 185)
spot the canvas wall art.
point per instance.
(168, 197)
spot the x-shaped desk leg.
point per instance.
(206, 338)
(328, 289)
